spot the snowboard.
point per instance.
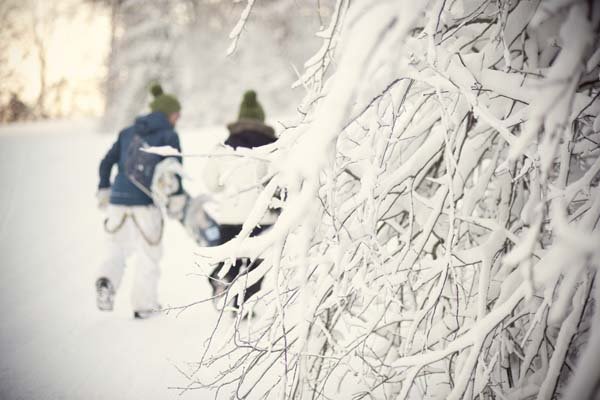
(140, 168)
(198, 223)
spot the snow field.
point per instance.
(53, 341)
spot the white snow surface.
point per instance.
(54, 343)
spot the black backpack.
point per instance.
(140, 165)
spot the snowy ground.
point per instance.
(54, 344)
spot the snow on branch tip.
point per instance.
(165, 151)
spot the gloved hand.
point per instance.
(176, 205)
(103, 198)
(164, 181)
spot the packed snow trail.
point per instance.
(54, 343)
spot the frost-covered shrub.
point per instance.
(439, 238)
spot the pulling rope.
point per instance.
(139, 228)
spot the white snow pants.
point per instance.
(137, 231)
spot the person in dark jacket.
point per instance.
(235, 184)
(134, 223)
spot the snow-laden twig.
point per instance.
(236, 32)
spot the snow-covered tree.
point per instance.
(272, 40)
(183, 43)
(26, 30)
(143, 38)
(439, 237)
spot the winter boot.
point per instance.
(105, 294)
(246, 315)
(219, 295)
(143, 314)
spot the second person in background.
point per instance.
(235, 183)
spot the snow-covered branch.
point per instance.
(439, 234)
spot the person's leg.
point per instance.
(110, 272)
(245, 269)
(252, 289)
(216, 283)
(219, 284)
(113, 265)
(255, 287)
(144, 295)
(148, 240)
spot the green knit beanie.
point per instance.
(163, 102)
(251, 108)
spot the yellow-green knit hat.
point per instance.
(251, 108)
(163, 102)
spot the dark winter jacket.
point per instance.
(249, 133)
(155, 130)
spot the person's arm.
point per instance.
(173, 141)
(110, 159)
(211, 175)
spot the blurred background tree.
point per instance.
(11, 29)
(74, 58)
(51, 58)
